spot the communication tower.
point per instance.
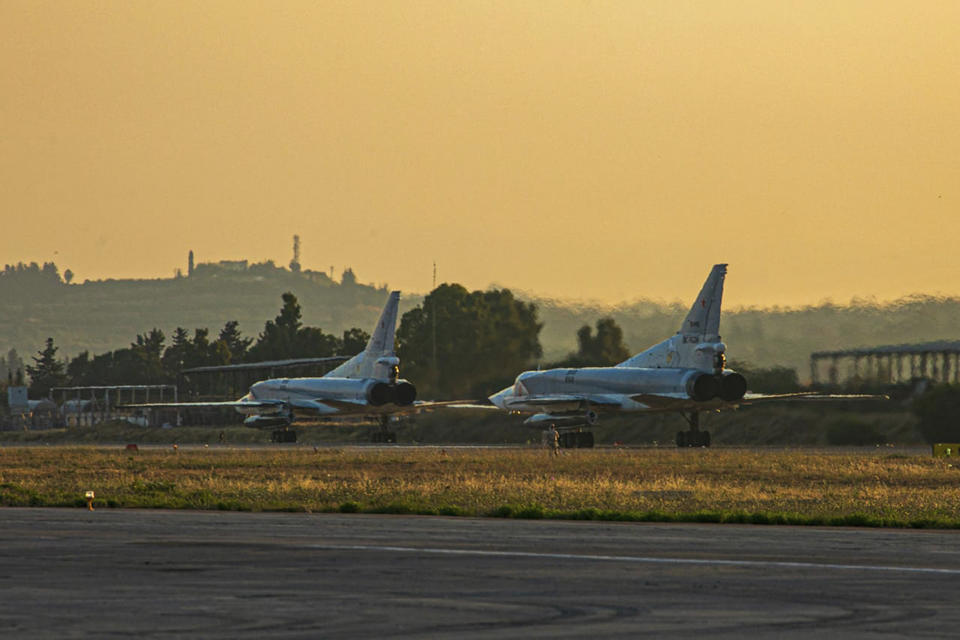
(295, 263)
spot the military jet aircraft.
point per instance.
(368, 384)
(685, 373)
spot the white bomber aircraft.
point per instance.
(685, 373)
(366, 384)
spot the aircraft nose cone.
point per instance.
(498, 398)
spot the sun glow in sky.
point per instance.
(603, 150)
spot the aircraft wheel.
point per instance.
(284, 435)
(681, 439)
(390, 437)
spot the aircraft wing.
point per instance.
(417, 406)
(654, 403)
(562, 402)
(323, 406)
(809, 396)
(461, 404)
(651, 402)
(251, 404)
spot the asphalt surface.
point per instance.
(116, 573)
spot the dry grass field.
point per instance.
(870, 488)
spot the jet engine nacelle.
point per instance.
(732, 386)
(702, 386)
(545, 420)
(404, 393)
(266, 422)
(379, 393)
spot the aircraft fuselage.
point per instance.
(622, 388)
(328, 396)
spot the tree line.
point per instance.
(150, 360)
(456, 344)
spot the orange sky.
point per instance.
(605, 150)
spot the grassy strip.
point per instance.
(867, 489)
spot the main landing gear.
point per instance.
(576, 439)
(694, 437)
(283, 435)
(384, 433)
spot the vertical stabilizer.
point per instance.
(379, 347)
(697, 344)
(704, 317)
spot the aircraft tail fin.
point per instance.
(704, 317)
(694, 345)
(378, 358)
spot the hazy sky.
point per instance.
(605, 150)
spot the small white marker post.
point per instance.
(89, 496)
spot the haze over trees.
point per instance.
(603, 349)
(100, 316)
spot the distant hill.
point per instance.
(102, 315)
(106, 314)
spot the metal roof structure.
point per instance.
(938, 360)
(937, 346)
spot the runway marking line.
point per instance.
(780, 564)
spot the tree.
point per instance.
(312, 342)
(147, 353)
(178, 353)
(285, 337)
(13, 362)
(236, 345)
(939, 412)
(79, 369)
(354, 341)
(768, 379)
(47, 372)
(604, 349)
(68, 276)
(279, 336)
(482, 339)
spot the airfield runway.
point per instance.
(72, 573)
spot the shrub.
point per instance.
(939, 412)
(848, 430)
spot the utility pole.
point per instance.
(433, 315)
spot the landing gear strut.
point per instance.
(384, 433)
(694, 437)
(283, 435)
(576, 440)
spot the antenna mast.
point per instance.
(295, 263)
(433, 315)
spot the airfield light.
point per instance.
(89, 496)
